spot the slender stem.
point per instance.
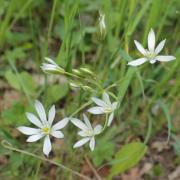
(92, 168)
(106, 122)
(80, 108)
(7, 145)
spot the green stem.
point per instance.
(7, 145)
(80, 108)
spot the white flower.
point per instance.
(44, 126)
(51, 67)
(87, 132)
(150, 54)
(104, 107)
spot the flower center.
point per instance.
(90, 132)
(45, 130)
(150, 55)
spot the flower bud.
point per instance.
(101, 31)
(51, 67)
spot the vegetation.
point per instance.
(91, 61)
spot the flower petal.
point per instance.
(165, 58)
(97, 129)
(40, 110)
(87, 122)
(79, 124)
(96, 110)
(57, 134)
(152, 61)
(51, 115)
(160, 46)
(28, 130)
(61, 124)
(47, 146)
(110, 119)
(151, 40)
(114, 105)
(99, 102)
(106, 98)
(92, 144)
(81, 142)
(140, 47)
(34, 120)
(82, 133)
(137, 62)
(35, 137)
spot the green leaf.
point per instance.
(12, 79)
(26, 79)
(28, 83)
(127, 157)
(56, 92)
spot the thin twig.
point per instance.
(92, 168)
(7, 145)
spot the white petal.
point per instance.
(57, 134)
(28, 130)
(96, 110)
(151, 40)
(165, 58)
(92, 144)
(48, 66)
(160, 46)
(79, 124)
(83, 133)
(99, 102)
(114, 105)
(47, 146)
(97, 129)
(51, 115)
(40, 110)
(152, 61)
(137, 62)
(35, 137)
(106, 98)
(140, 47)
(34, 120)
(81, 142)
(87, 122)
(110, 119)
(61, 124)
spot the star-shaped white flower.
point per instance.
(51, 67)
(104, 107)
(87, 132)
(150, 54)
(44, 127)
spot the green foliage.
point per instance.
(25, 78)
(56, 92)
(15, 115)
(66, 30)
(104, 149)
(128, 156)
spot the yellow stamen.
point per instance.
(46, 130)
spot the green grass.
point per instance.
(66, 31)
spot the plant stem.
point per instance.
(7, 145)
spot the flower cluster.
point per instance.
(44, 124)
(45, 127)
